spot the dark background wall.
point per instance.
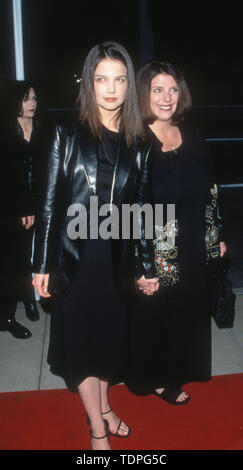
(57, 36)
(204, 38)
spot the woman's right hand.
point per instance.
(148, 286)
(40, 283)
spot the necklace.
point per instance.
(173, 149)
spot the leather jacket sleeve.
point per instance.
(48, 218)
(144, 247)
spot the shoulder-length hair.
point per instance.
(144, 78)
(20, 92)
(128, 116)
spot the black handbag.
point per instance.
(220, 294)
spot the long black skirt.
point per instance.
(170, 340)
(89, 327)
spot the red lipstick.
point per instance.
(110, 100)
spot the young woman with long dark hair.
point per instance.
(91, 280)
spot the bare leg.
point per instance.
(104, 387)
(90, 393)
(111, 417)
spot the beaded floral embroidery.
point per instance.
(165, 255)
(213, 225)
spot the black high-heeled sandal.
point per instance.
(107, 432)
(117, 434)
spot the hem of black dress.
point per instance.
(143, 390)
(73, 383)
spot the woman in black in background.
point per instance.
(20, 144)
(170, 331)
(28, 148)
(90, 279)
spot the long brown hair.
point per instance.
(129, 115)
(144, 78)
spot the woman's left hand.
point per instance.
(223, 248)
(28, 221)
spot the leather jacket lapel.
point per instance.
(88, 155)
(123, 167)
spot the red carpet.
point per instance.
(55, 420)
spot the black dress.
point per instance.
(17, 199)
(170, 332)
(89, 327)
(27, 155)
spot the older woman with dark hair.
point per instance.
(170, 331)
(90, 276)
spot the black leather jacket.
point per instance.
(71, 177)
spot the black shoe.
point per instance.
(17, 330)
(31, 311)
(171, 396)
